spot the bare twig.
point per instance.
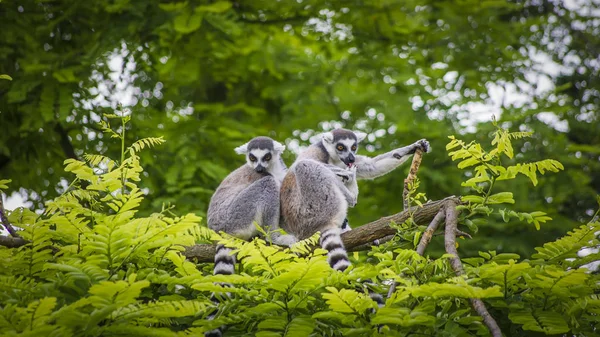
(450, 244)
(412, 174)
(428, 234)
(461, 233)
(5, 222)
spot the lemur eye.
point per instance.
(267, 157)
(353, 147)
(340, 147)
(252, 157)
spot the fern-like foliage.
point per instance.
(88, 261)
(93, 266)
(146, 142)
(569, 245)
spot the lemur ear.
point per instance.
(360, 136)
(278, 146)
(327, 137)
(243, 149)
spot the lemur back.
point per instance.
(313, 198)
(247, 195)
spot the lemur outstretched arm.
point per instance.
(370, 168)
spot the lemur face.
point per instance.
(260, 159)
(341, 144)
(261, 153)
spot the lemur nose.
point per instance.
(351, 158)
(260, 169)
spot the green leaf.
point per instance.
(187, 22)
(301, 276)
(569, 245)
(472, 198)
(468, 162)
(501, 198)
(348, 301)
(66, 75)
(5, 77)
(217, 7)
(402, 317)
(440, 290)
(4, 183)
(300, 326)
(173, 6)
(548, 322)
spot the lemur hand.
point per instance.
(345, 174)
(422, 144)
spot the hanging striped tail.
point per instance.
(224, 261)
(224, 265)
(336, 253)
(378, 298)
(338, 257)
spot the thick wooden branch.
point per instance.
(12, 242)
(360, 237)
(450, 244)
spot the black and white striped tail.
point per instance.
(336, 253)
(224, 261)
(378, 298)
(224, 265)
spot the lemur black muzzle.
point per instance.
(260, 169)
(349, 160)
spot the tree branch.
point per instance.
(359, 238)
(5, 222)
(65, 142)
(412, 174)
(428, 234)
(450, 244)
(12, 242)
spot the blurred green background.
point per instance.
(209, 75)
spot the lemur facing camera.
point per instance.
(314, 198)
(248, 194)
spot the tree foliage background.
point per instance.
(202, 77)
(209, 75)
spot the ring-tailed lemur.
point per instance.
(248, 194)
(312, 197)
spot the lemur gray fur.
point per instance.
(314, 199)
(248, 194)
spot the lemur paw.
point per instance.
(346, 175)
(349, 175)
(423, 144)
(285, 240)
